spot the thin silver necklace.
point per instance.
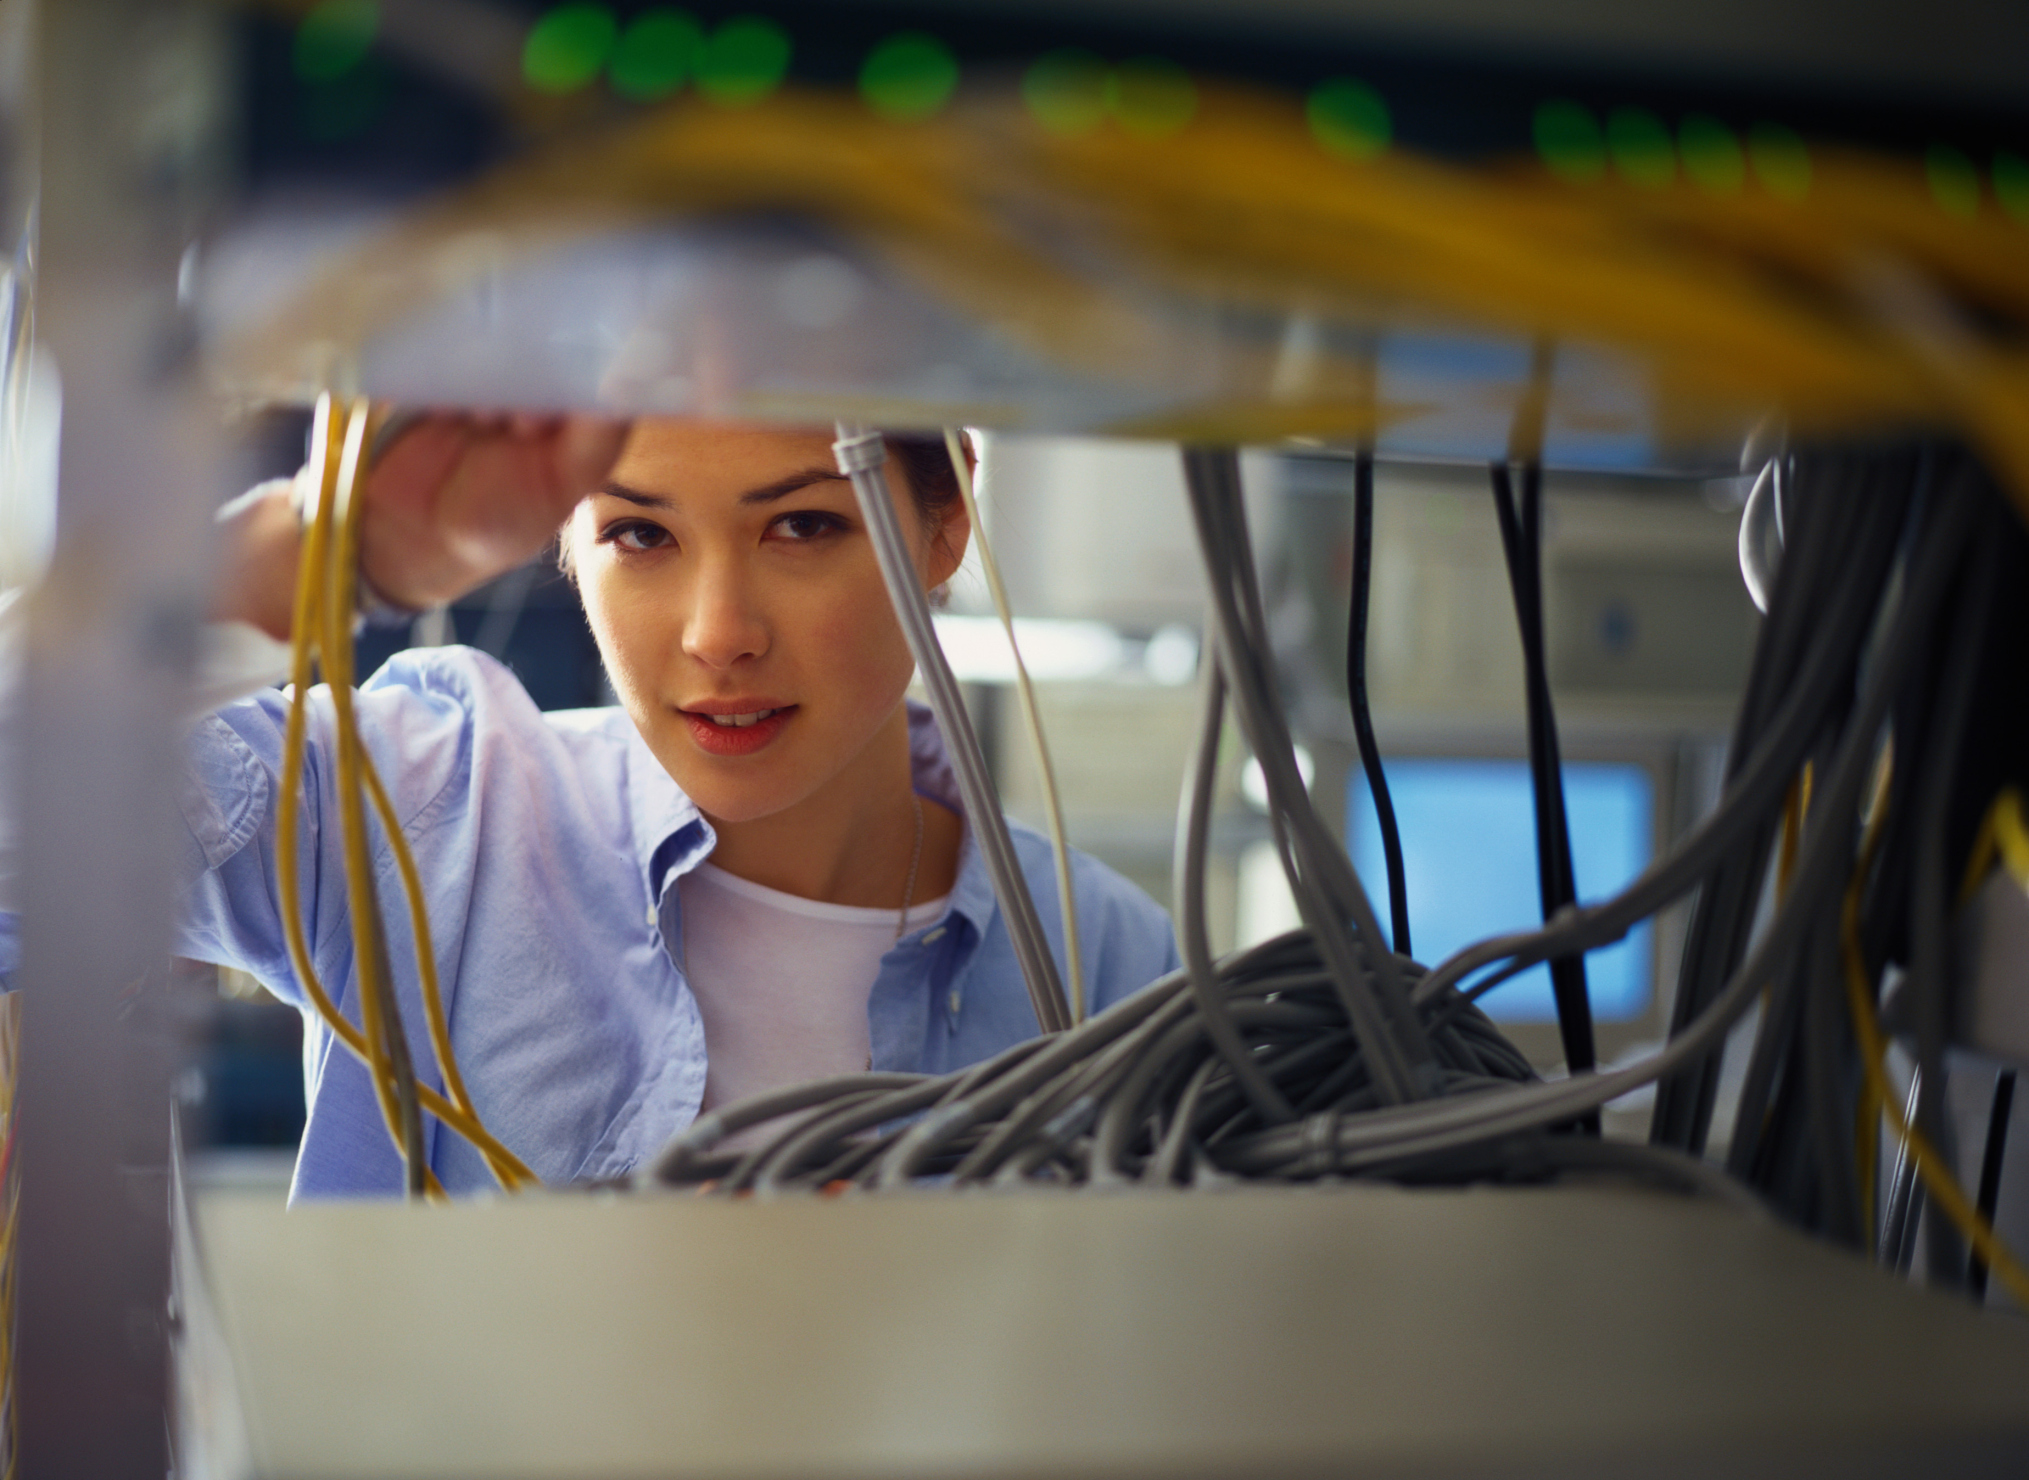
(915, 859)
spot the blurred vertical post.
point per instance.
(127, 109)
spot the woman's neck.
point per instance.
(852, 841)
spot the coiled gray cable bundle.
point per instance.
(1315, 1055)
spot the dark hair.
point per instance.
(933, 482)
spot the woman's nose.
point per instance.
(723, 625)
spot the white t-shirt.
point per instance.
(781, 982)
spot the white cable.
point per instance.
(1053, 809)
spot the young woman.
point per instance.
(754, 871)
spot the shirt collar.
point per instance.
(929, 763)
(671, 837)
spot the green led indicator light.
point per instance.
(1954, 180)
(334, 38)
(1711, 153)
(567, 47)
(743, 61)
(654, 55)
(1349, 119)
(2011, 184)
(1151, 97)
(909, 76)
(1640, 147)
(1780, 160)
(1066, 91)
(1569, 141)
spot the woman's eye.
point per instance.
(805, 525)
(636, 535)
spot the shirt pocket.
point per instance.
(224, 791)
(663, 1103)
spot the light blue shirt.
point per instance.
(549, 847)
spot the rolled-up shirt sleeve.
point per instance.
(418, 732)
(231, 906)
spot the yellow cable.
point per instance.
(1067, 902)
(364, 777)
(355, 776)
(335, 647)
(308, 604)
(2003, 834)
(1867, 1117)
(508, 1168)
(1739, 305)
(1937, 1177)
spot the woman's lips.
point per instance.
(743, 738)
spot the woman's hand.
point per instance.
(458, 499)
(453, 501)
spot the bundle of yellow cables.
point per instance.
(1854, 308)
(326, 594)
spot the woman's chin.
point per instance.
(737, 810)
(736, 798)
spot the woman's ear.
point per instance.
(948, 544)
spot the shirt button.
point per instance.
(953, 1000)
(652, 922)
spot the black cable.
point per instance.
(1754, 792)
(1147, 1093)
(1846, 522)
(1717, 934)
(1956, 650)
(1991, 1162)
(1830, 1056)
(1356, 693)
(1522, 541)
(1441, 1125)
(1326, 887)
(1903, 1202)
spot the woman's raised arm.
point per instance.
(453, 501)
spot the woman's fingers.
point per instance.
(457, 499)
(587, 448)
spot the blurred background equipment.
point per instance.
(1631, 256)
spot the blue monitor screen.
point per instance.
(1469, 860)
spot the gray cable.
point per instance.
(698, 1138)
(1899, 1207)
(862, 456)
(1194, 821)
(1321, 877)
(1444, 1125)
(1156, 1090)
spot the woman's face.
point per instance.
(732, 586)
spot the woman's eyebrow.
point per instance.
(767, 493)
(634, 496)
